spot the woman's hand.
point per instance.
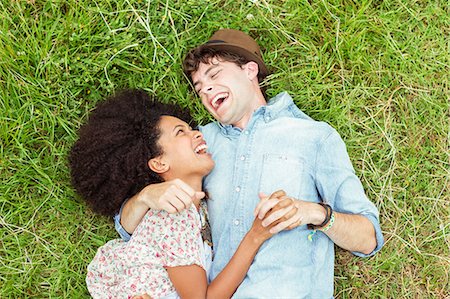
(278, 211)
(277, 208)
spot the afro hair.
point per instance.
(108, 162)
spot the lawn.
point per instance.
(377, 71)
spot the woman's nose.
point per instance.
(197, 134)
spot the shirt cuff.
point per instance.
(378, 235)
(119, 228)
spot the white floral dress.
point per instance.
(124, 269)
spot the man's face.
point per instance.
(227, 90)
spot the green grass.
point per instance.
(378, 71)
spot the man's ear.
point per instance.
(158, 165)
(252, 70)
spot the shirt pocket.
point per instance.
(281, 172)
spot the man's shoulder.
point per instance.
(210, 131)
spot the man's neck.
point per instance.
(259, 102)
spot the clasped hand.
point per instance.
(276, 212)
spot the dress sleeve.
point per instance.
(181, 241)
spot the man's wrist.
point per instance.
(142, 198)
(319, 214)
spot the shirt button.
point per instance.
(236, 222)
(246, 132)
(242, 158)
(238, 189)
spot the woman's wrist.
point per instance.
(255, 238)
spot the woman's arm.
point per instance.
(228, 280)
(191, 282)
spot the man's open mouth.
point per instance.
(219, 99)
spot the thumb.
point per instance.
(199, 194)
(262, 195)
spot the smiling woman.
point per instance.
(131, 141)
(120, 134)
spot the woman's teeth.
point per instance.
(201, 149)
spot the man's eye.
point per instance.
(179, 132)
(215, 74)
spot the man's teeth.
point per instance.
(201, 147)
(216, 99)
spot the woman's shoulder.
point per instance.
(160, 221)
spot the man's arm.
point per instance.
(356, 225)
(172, 196)
(350, 232)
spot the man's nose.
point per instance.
(207, 89)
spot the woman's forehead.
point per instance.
(168, 123)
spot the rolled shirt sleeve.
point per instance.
(124, 235)
(339, 186)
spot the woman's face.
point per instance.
(184, 149)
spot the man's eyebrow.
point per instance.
(207, 71)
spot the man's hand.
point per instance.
(172, 196)
(287, 212)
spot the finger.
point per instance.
(283, 202)
(199, 195)
(266, 206)
(276, 215)
(185, 187)
(181, 199)
(278, 193)
(294, 225)
(259, 205)
(166, 206)
(263, 197)
(293, 221)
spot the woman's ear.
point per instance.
(158, 165)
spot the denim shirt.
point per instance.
(281, 148)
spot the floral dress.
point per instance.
(124, 269)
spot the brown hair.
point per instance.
(205, 54)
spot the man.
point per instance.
(260, 148)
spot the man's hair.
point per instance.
(108, 162)
(200, 54)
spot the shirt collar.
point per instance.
(268, 112)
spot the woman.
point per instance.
(131, 141)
